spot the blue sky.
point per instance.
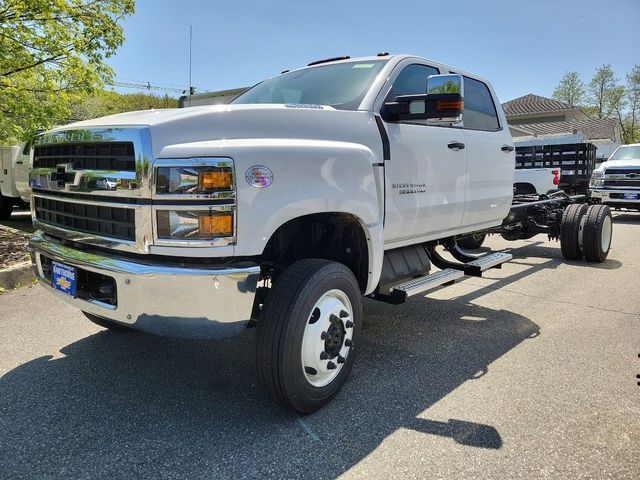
(522, 47)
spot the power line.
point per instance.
(146, 86)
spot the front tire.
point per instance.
(307, 332)
(6, 207)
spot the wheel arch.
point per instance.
(338, 236)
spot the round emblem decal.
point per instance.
(259, 176)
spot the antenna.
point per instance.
(190, 42)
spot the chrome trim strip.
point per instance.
(87, 238)
(88, 202)
(210, 302)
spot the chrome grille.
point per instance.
(105, 221)
(114, 156)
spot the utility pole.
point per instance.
(190, 42)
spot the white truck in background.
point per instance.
(616, 182)
(533, 181)
(281, 210)
(14, 178)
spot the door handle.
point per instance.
(456, 145)
(507, 148)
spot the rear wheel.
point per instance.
(472, 242)
(6, 207)
(103, 322)
(598, 231)
(306, 335)
(571, 231)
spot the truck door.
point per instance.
(490, 157)
(426, 174)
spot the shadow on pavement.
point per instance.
(20, 220)
(134, 404)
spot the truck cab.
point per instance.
(279, 210)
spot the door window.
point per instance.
(479, 110)
(412, 80)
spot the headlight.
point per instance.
(597, 179)
(194, 225)
(194, 180)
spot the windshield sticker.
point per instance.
(364, 65)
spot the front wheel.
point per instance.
(307, 332)
(6, 207)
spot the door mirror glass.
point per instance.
(443, 103)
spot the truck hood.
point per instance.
(619, 164)
(250, 122)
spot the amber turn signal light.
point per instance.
(216, 225)
(450, 105)
(216, 180)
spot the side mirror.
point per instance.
(442, 104)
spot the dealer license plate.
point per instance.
(630, 196)
(63, 278)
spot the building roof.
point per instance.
(530, 103)
(596, 128)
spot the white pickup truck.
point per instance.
(14, 178)
(281, 210)
(616, 182)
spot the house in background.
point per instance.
(538, 120)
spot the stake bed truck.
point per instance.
(282, 209)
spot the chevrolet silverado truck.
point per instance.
(616, 182)
(281, 210)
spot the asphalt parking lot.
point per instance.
(529, 372)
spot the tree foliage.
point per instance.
(605, 97)
(571, 89)
(51, 53)
(602, 91)
(100, 104)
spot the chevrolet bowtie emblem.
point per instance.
(61, 173)
(63, 283)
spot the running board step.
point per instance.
(427, 282)
(492, 260)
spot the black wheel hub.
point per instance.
(335, 339)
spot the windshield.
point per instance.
(340, 85)
(627, 153)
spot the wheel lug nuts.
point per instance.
(333, 318)
(340, 359)
(348, 324)
(348, 343)
(331, 366)
(344, 314)
(324, 356)
(324, 335)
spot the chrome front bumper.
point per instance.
(616, 196)
(185, 302)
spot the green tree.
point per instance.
(103, 103)
(570, 89)
(51, 52)
(632, 118)
(603, 91)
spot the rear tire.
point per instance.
(598, 231)
(306, 334)
(6, 207)
(109, 324)
(570, 231)
(472, 242)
